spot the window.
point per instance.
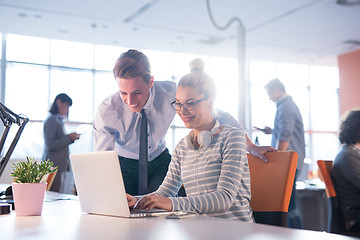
(106, 56)
(30, 143)
(32, 84)
(262, 109)
(26, 90)
(295, 77)
(72, 54)
(161, 64)
(27, 49)
(78, 84)
(224, 73)
(324, 83)
(0, 48)
(104, 86)
(324, 111)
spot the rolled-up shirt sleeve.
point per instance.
(104, 137)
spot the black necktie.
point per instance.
(143, 155)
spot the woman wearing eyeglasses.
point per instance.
(210, 161)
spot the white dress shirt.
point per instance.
(117, 128)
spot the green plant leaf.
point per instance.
(31, 171)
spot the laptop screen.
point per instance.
(99, 183)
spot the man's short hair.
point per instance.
(132, 64)
(275, 84)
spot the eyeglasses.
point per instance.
(187, 106)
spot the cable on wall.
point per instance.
(234, 19)
(243, 85)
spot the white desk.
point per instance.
(63, 219)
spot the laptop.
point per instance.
(100, 186)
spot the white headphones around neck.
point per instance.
(204, 137)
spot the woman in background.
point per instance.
(57, 142)
(211, 161)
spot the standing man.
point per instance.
(118, 122)
(288, 134)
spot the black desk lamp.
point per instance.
(8, 118)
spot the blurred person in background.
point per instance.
(345, 172)
(57, 143)
(287, 134)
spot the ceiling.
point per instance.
(298, 31)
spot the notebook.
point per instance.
(100, 186)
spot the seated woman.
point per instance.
(346, 171)
(211, 161)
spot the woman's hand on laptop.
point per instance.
(154, 201)
(131, 200)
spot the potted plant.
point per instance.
(29, 185)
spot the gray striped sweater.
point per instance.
(216, 177)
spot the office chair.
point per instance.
(335, 222)
(50, 180)
(271, 186)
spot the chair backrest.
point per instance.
(335, 220)
(271, 186)
(50, 180)
(324, 173)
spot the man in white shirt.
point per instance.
(118, 119)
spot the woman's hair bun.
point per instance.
(197, 65)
